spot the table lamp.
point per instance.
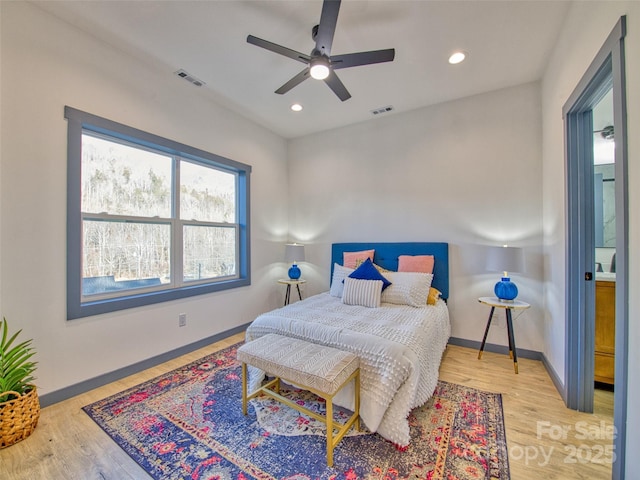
(505, 259)
(294, 252)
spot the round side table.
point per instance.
(288, 282)
(494, 303)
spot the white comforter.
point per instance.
(400, 348)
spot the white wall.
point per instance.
(466, 172)
(587, 26)
(47, 64)
(482, 170)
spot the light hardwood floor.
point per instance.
(545, 439)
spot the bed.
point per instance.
(400, 345)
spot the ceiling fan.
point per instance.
(606, 132)
(321, 64)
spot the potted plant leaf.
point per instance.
(19, 404)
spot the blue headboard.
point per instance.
(386, 255)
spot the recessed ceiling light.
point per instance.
(296, 107)
(457, 57)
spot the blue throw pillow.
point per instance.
(368, 271)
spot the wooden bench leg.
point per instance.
(357, 399)
(244, 388)
(329, 422)
(332, 440)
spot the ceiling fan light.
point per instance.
(319, 68)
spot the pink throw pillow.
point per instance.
(416, 263)
(354, 259)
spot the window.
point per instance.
(149, 220)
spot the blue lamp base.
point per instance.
(505, 289)
(294, 272)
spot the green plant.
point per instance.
(16, 367)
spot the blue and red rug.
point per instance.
(188, 424)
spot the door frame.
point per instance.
(606, 71)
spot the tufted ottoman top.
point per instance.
(307, 364)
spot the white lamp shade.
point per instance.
(505, 259)
(294, 252)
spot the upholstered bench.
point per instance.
(316, 368)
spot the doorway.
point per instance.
(604, 183)
(606, 73)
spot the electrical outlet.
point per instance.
(182, 320)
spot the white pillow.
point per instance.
(337, 284)
(407, 288)
(365, 293)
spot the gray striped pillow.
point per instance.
(366, 293)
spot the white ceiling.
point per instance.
(507, 42)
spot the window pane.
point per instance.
(123, 180)
(207, 194)
(124, 255)
(209, 252)
(126, 224)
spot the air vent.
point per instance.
(380, 110)
(190, 78)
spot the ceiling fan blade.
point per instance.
(362, 58)
(275, 48)
(337, 86)
(297, 80)
(327, 26)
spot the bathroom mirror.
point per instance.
(605, 207)
(604, 173)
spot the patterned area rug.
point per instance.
(188, 424)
